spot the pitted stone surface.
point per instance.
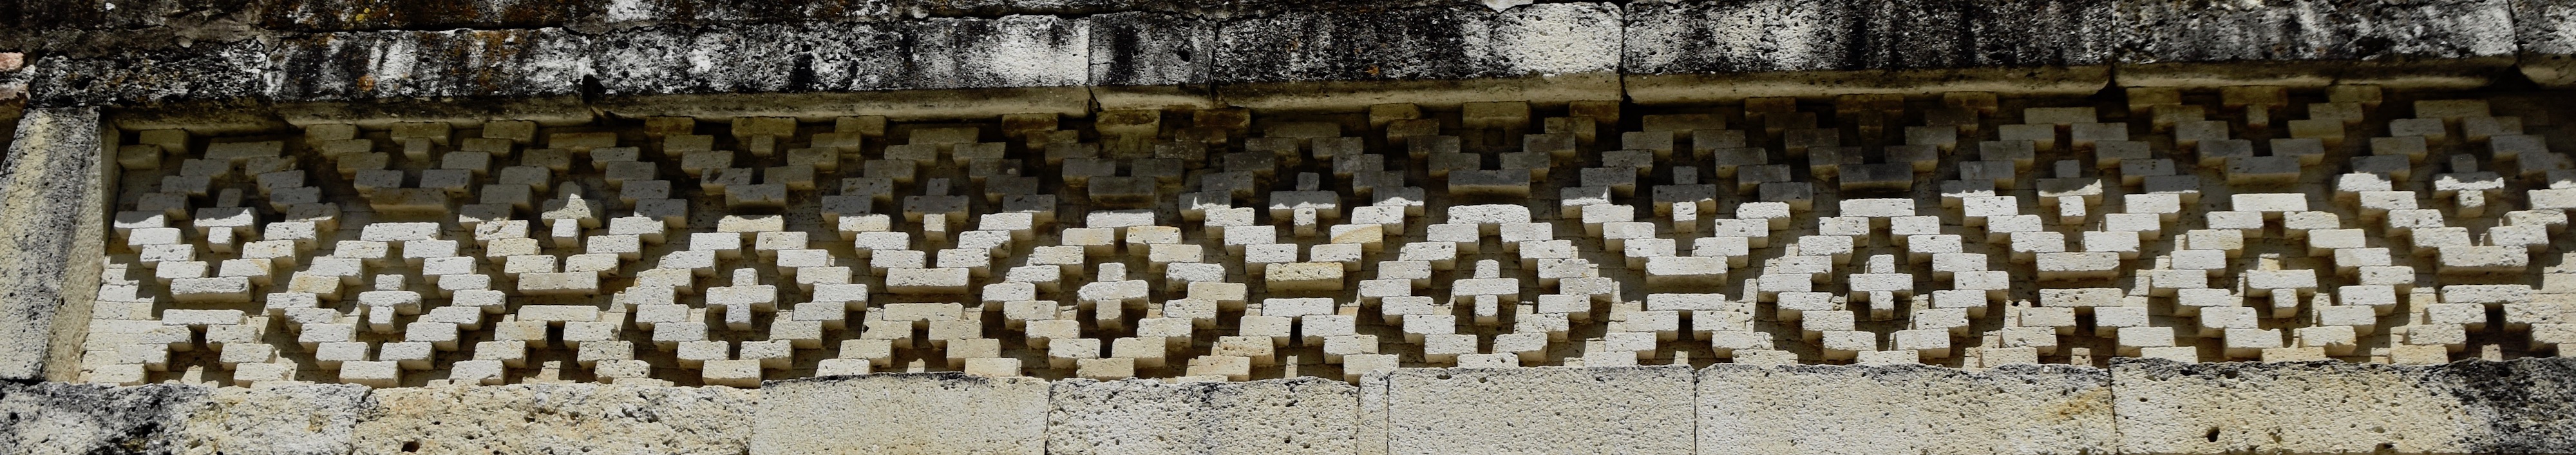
(1303, 415)
(902, 413)
(2021, 409)
(1638, 410)
(2315, 407)
(540, 418)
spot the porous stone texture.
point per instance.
(1147, 60)
(2523, 403)
(1288, 416)
(2015, 409)
(1700, 51)
(57, 418)
(2545, 33)
(556, 418)
(2306, 407)
(2448, 43)
(1629, 410)
(1015, 64)
(314, 419)
(1436, 55)
(51, 192)
(936, 413)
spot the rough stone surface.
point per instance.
(2027, 409)
(2439, 43)
(1301, 415)
(557, 418)
(1639, 410)
(2545, 32)
(56, 418)
(902, 413)
(51, 191)
(1541, 53)
(2050, 45)
(2310, 407)
(2523, 403)
(313, 419)
(1143, 60)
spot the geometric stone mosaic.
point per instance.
(1961, 229)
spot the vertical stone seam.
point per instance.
(79, 294)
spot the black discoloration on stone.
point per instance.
(2162, 31)
(403, 64)
(2529, 405)
(1782, 35)
(208, 72)
(1141, 48)
(80, 418)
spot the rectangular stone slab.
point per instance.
(1281, 416)
(2309, 407)
(1636, 410)
(1904, 409)
(528, 418)
(935, 413)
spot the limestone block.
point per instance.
(1300, 415)
(901, 413)
(1539, 410)
(292, 419)
(55, 210)
(529, 418)
(1904, 409)
(2314, 407)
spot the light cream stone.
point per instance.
(2028, 409)
(1281, 416)
(938, 413)
(1540, 410)
(290, 419)
(2320, 407)
(540, 418)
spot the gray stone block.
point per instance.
(932, 413)
(56, 191)
(431, 64)
(1435, 56)
(205, 72)
(530, 418)
(1142, 60)
(373, 78)
(2439, 43)
(819, 70)
(346, 15)
(2542, 33)
(52, 418)
(1699, 51)
(1639, 410)
(1300, 415)
(2026, 409)
(2308, 407)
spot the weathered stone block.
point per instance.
(537, 418)
(1540, 410)
(902, 413)
(1904, 409)
(1301, 415)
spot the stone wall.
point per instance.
(2151, 406)
(1428, 226)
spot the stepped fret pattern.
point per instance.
(1959, 229)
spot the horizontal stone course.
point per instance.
(1241, 53)
(2161, 407)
